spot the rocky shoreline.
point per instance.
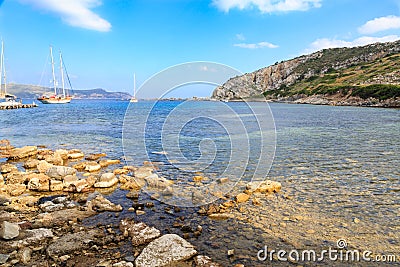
(46, 195)
(339, 100)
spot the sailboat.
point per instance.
(133, 98)
(6, 98)
(57, 98)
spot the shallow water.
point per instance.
(341, 162)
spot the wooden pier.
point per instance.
(17, 106)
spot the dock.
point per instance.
(4, 106)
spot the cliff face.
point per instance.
(305, 71)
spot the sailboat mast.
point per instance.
(3, 71)
(1, 68)
(52, 70)
(62, 74)
(134, 85)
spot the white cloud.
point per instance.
(240, 37)
(380, 24)
(268, 6)
(324, 43)
(76, 13)
(256, 45)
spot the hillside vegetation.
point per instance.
(367, 75)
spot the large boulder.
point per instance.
(23, 152)
(69, 243)
(59, 172)
(39, 182)
(9, 230)
(31, 237)
(167, 250)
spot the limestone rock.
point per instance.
(204, 261)
(54, 158)
(106, 180)
(130, 183)
(95, 156)
(167, 250)
(23, 152)
(69, 179)
(154, 181)
(267, 186)
(242, 197)
(9, 230)
(31, 163)
(75, 154)
(17, 178)
(100, 203)
(123, 264)
(43, 166)
(39, 182)
(34, 236)
(108, 162)
(25, 255)
(69, 243)
(59, 172)
(56, 185)
(63, 153)
(92, 166)
(15, 189)
(139, 232)
(143, 172)
(120, 171)
(8, 168)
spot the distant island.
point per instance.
(26, 91)
(358, 76)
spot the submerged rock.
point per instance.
(267, 186)
(167, 250)
(242, 197)
(100, 203)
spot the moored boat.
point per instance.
(56, 98)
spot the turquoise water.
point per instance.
(344, 161)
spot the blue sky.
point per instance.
(105, 41)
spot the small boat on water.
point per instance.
(133, 98)
(6, 99)
(56, 98)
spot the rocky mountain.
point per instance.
(33, 91)
(348, 76)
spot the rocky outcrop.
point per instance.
(287, 73)
(168, 250)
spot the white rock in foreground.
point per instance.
(9, 230)
(167, 250)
